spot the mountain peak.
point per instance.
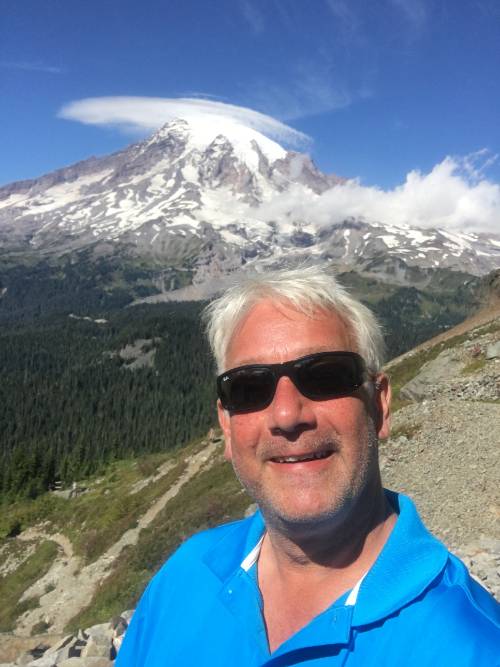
(200, 131)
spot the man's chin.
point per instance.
(300, 518)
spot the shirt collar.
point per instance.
(409, 561)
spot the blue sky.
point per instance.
(380, 88)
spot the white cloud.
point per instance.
(253, 16)
(312, 89)
(32, 67)
(450, 196)
(140, 115)
(414, 11)
(347, 20)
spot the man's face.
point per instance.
(270, 448)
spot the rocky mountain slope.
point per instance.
(197, 201)
(443, 452)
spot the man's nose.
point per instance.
(290, 411)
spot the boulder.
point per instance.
(39, 650)
(44, 661)
(127, 615)
(440, 370)
(60, 645)
(86, 662)
(493, 350)
(119, 625)
(100, 630)
(97, 647)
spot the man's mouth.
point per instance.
(300, 458)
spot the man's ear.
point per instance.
(383, 395)
(225, 425)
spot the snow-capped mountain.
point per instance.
(214, 197)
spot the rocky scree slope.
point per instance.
(444, 450)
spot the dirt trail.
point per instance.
(59, 538)
(68, 587)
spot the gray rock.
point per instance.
(60, 645)
(100, 630)
(493, 350)
(75, 649)
(44, 661)
(98, 647)
(86, 662)
(119, 626)
(127, 615)
(117, 642)
(441, 369)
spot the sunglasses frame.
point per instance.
(291, 369)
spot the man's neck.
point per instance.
(302, 572)
(335, 543)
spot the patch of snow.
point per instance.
(190, 173)
(417, 236)
(13, 200)
(390, 240)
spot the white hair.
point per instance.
(306, 289)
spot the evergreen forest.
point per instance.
(69, 402)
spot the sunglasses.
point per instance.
(317, 376)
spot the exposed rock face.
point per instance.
(440, 370)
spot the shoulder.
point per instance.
(453, 621)
(466, 602)
(460, 618)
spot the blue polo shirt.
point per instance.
(417, 605)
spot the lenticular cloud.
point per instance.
(146, 114)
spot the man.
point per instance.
(332, 569)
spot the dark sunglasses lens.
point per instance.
(326, 376)
(247, 389)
